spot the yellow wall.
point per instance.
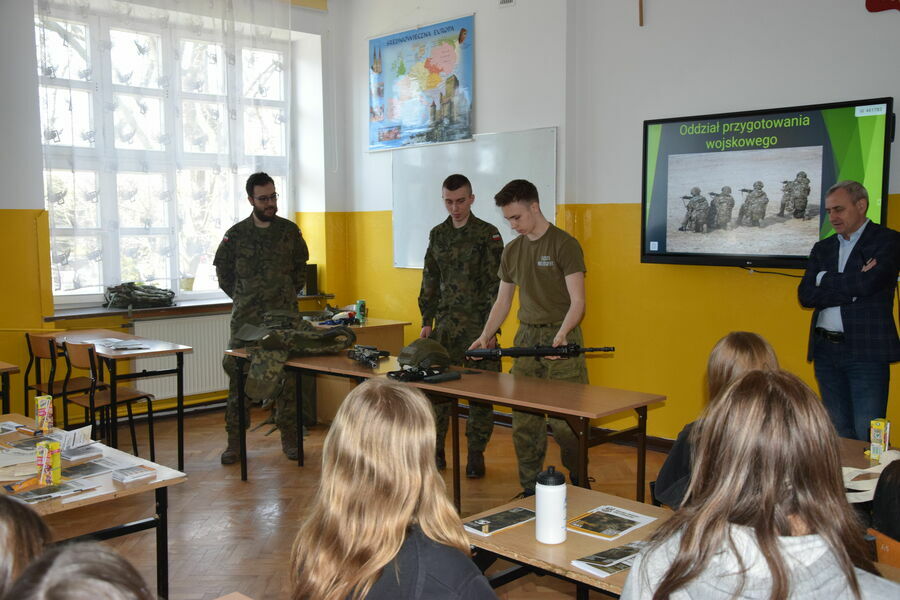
(662, 319)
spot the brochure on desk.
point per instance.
(608, 522)
(612, 561)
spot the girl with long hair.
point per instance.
(733, 355)
(381, 525)
(765, 515)
(23, 537)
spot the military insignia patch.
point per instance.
(496, 237)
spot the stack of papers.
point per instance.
(49, 492)
(117, 344)
(608, 522)
(610, 562)
(499, 521)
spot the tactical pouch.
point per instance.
(133, 295)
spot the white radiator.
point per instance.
(207, 335)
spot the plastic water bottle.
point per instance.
(550, 507)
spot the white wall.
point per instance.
(20, 121)
(710, 56)
(520, 77)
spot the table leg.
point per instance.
(242, 424)
(583, 435)
(179, 361)
(454, 433)
(5, 386)
(641, 451)
(113, 411)
(581, 591)
(162, 542)
(298, 399)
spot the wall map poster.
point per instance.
(420, 85)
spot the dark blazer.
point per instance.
(869, 327)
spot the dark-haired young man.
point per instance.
(261, 265)
(547, 265)
(459, 284)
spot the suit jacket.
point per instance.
(869, 328)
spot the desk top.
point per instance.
(81, 336)
(8, 368)
(542, 395)
(109, 489)
(519, 543)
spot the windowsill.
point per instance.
(184, 307)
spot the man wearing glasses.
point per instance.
(261, 265)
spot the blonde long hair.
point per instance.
(766, 457)
(378, 478)
(735, 354)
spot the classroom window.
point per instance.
(150, 127)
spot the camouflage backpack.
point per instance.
(284, 334)
(134, 295)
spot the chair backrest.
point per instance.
(40, 346)
(80, 356)
(887, 549)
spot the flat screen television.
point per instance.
(748, 188)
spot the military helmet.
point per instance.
(424, 353)
(758, 184)
(801, 174)
(695, 191)
(726, 189)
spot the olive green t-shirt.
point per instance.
(540, 268)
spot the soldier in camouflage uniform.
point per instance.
(695, 217)
(754, 207)
(800, 193)
(261, 265)
(720, 209)
(459, 284)
(547, 265)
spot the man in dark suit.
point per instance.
(850, 281)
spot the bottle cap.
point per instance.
(551, 477)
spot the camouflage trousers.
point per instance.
(285, 412)
(456, 337)
(530, 429)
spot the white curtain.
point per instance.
(153, 114)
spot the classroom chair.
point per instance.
(96, 399)
(887, 549)
(44, 349)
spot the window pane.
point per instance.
(76, 265)
(264, 131)
(205, 211)
(135, 59)
(145, 258)
(66, 117)
(143, 200)
(62, 49)
(202, 68)
(263, 74)
(72, 199)
(205, 128)
(138, 121)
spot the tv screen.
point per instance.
(748, 188)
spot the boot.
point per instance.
(439, 459)
(475, 465)
(233, 451)
(289, 446)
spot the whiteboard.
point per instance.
(490, 161)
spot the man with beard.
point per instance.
(261, 265)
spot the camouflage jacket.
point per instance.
(459, 280)
(261, 268)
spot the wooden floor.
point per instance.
(226, 535)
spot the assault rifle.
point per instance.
(567, 351)
(746, 190)
(369, 356)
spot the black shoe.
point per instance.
(523, 494)
(439, 460)
(475, 465)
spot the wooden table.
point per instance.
(111, 357)
(577, 403)
(56, 512)
(5, 370)
(518, 544)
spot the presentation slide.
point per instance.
(753, 184)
